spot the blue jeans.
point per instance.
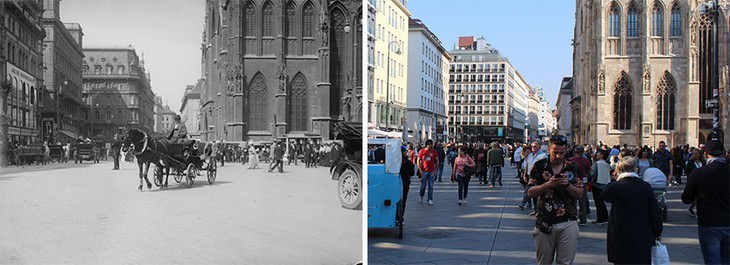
(715, 244)
(495, 174)
(427, 181)
(463, 185)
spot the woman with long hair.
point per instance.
(460, 174)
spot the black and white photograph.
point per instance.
(181, 132)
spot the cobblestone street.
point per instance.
(90, 214)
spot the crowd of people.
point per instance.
(556, 177)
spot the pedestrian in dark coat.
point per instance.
(709, 188)
(633, 223)
(480, 158)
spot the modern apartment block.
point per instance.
(487, 97)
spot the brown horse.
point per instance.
(146, 149)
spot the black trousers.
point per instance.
(601, 211)
(116, 161)
(406, 187)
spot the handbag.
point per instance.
(468, 171)
(659, 254)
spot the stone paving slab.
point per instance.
(490, 229)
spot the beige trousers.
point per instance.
(559, 246)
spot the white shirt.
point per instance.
(531, 159)
(518, 154)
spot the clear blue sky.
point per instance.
(535, 35)
(168, 32)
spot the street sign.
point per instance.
(712, 103)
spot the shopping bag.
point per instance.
(659, 254)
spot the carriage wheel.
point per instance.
(178, 176)
(212, 171)
(158, 176)
(192, 172)
(349, 190)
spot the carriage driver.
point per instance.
(179, 133)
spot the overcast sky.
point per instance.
(535, 35)
(168, 32)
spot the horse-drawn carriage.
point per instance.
(185, 159)
(27, 155)
(86, 152)
(57, 153)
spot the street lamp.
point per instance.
(59, 92)
(387, 84)
(712, 9)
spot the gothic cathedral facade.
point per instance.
(642, 72)
(280, 68)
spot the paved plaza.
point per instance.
(491, 229)
(89, 214)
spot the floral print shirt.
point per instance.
(555, 205)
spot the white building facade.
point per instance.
(427, 77)
(387, 102)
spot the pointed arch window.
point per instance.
(298, 118)
(665, 102)
(622, 103)
(249, 13)
(291, 22)
(308, 20)
(704, 34)
(632, 21)
(258, 114)
(657, 20)
(268, 19)
(614, 21)
(675, 26)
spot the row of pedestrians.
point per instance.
(556, 178)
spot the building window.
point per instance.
(614, 20)
(665, 102)
(298, 104)
(657, 18)
(268, 19)
(121, 69)
(249, 19)
(290, 19)
(632, 21)
(308, 17)
(258, 114)
(676, 23)
(622, 103)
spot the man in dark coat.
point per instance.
(278, 157)
(495, 161)
(709, 187)
(179, 132)
(116, 147)
(634, 222)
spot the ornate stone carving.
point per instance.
(323, 23)
(282, 75)
(647, 79)
(601, 81)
